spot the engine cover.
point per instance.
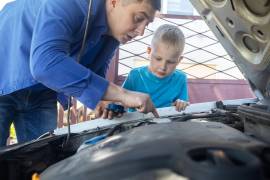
(195, 150)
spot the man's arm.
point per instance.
(57, 23)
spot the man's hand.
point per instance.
(130, 99)
(102, 111)
(180, 105)
(142, 102)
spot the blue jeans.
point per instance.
(33, 112)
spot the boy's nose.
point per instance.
(163, 67)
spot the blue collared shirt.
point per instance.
(40, 41)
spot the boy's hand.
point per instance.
(102, 111)
(180, 105)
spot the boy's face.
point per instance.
(126, 21)
(163, 59)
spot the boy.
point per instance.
(40, 42)
(165, 85)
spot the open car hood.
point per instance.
(243, 28)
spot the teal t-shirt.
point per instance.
(163, 91)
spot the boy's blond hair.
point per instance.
(170, 35)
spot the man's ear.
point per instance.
(114, 2)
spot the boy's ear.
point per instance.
(148, 50)
(180, 59)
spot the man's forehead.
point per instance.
(147, 10)
(149, 16)
(142, 8)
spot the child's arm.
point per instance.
(181, 103)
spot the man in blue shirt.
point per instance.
(40, 41)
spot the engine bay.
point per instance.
(214, 144)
